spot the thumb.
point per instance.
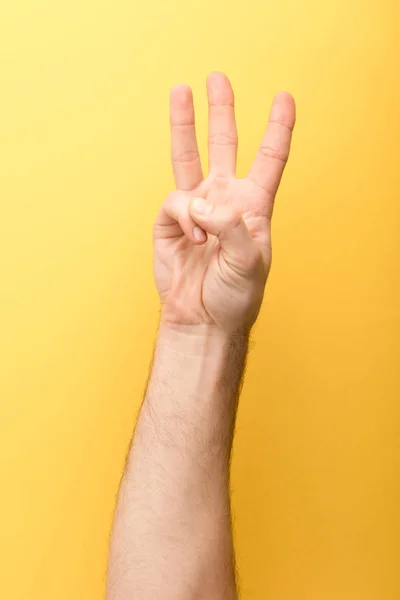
(239, 249)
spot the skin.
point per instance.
(172, 534)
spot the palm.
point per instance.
(193, 274)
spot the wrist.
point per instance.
(195, 382)
(201, 360)
(204, 339)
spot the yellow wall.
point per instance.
(83, 168)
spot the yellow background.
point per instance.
(83, 168)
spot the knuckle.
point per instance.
(157, 228)
(182, 122)
(254, 259)
(289, 126)
(187, 156)
(174, 204)
(233, 218)
(169, 200)
(274, 153)
(222, 139)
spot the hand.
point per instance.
(212, 236)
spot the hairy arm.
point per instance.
(172, 534)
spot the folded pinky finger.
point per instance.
(240, 251)
(174, 220)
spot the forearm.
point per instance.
(172, 533)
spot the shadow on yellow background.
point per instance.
(84, 166)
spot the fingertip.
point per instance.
(284, 96)
(216, 76)
(199, 206)
(284, 109)
(219, 88)
(199, 235)
(181, 95)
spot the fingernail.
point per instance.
(199, 234)
(201, 207)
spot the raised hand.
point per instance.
(212, 236)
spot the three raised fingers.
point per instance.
(273, 153)
(271, 157)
